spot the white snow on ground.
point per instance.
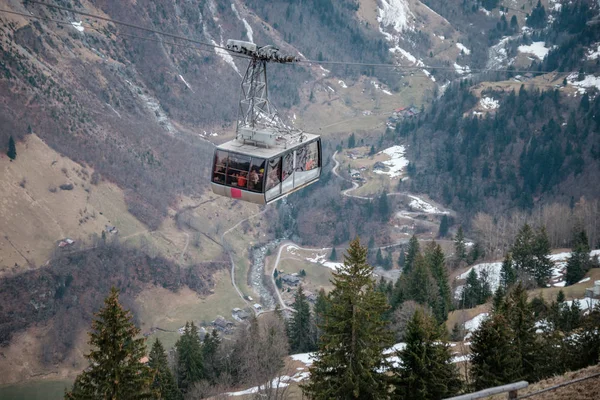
(320, 259)
(458, 359)
(78, 26)
(493, 276)
(584, 280)
(463, 48)
(249, 31)
(397, 162)
(462, 70)
(560, 284)
(493, 271)
(397, 347)
(428, 74)
(594, 54)
(394, 13)
(186, 84)
(306, 358)
(330, 88)
(585, 304)
(343, 84)
(424, 206)
(387, 92)
(407, 55)
(324, 70)
(489, 103)
(588, 82)
(486, 12)
(473, 324)
(535, 48)
(497, 54)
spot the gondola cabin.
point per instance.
(263, 175)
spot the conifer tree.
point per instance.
(460, 248)
(189, 358)
(115, 370)
(163, 383)
(12, 149)
(444, 225)
(508, 275)
(333, 255)
(579, 261)
(349, 363)
(411, 254)
(521, 320)
(210, 362)
(494, 359)
(401, 259)
(427, 371)
(436, 262)
(321, 307)
(541, 250)
(299, 329)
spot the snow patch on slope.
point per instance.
(489, 103)
(249, 31)
(394, 13)
(78, 26)
(589, 81)
(463, 48)
(424, 206)
(186, 84)
(396, 163)
(473, 324)
(594, 54)
(535, 48)
(461, 70)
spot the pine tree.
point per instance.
(349, 363)
(530, 254)
(411, 254)
(12, 149)
(211, 364)
(508, 275)
(333, 255)
(460, 248)
(521, 320)
(189, 358)
(115, 370)
(542, 265)
(401, 259)
(321, 308)
(444, 226)
(435, 259)
(299, 329)
(579, 261)
(163, 384)
(427, 371)
(494, 359)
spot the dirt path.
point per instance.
(229, 252)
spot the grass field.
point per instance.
(35, 390)
(158, 307)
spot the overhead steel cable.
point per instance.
(318, 62)
(127, 24)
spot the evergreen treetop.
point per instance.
(460, 248)
(116, 370)
(12, 149)
(350, 363)
(411, 254)
(427, 370)
(300, 326)
(163, 383)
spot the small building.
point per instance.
(257, 307)
(110, 229)
(594, 291)
(222, 324)
(240, 315)
(291, 280)
(354, 173)
(65, 242)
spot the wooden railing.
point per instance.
(511, 389)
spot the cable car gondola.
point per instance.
(262, 175)
(267, 160)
